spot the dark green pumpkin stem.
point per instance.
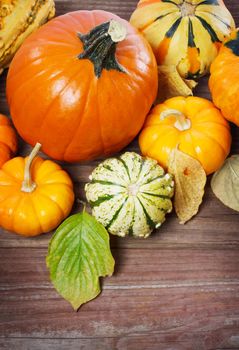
(234, 45)
(100, 46)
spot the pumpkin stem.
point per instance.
(100, 46)
(28, 185)
(182, 123)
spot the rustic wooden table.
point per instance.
(178, 290)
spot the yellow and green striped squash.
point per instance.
(130, 194)
(184, 33)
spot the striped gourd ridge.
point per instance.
(185, 34)
(18, 19)
(130, 194)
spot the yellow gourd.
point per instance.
(18, 19)
(186, 34)
(35, 195)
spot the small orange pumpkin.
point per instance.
(224, 79)
(35, 195)
(193, 124)
(8, 140)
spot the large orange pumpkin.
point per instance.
(82, 85)
(194, 125)
(8, 140)
(224, 79)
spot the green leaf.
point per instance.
(225, 183)
(78, 254)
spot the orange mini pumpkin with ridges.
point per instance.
(35, 195)
(224, 79)
(192, 124)
(8, 140)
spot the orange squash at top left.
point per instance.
(8, 140)
(82, 85)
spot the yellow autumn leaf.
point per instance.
(190, 179)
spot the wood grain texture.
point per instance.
(177, 290)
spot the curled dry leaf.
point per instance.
(171, 84)
(225, 183)
(190, 180)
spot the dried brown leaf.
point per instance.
(172, 84)
(225, 183)
(190, 179)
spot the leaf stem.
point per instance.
(83, 203)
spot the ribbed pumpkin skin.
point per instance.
(184, 33)
(8, 140)
(56, 99)
(130, 195)
(224, 79)
(208, 138)
(30, 214)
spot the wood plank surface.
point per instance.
(177, 290)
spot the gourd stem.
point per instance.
(187, 9)
(182, 123)
(100, 46)
(28, 185)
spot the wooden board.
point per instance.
(177, 290)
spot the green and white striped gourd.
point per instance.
(130, 194)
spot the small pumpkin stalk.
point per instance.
(181, 123)
(37, 202)
(100, 46)
(28, 185)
